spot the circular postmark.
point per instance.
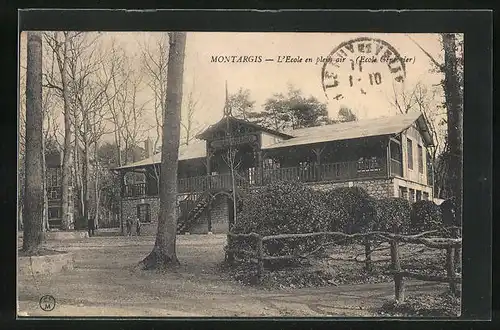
(360, 65)
(47, 303)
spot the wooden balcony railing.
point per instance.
(135, 190)
(396, 167)
(370, 168)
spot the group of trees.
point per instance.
(283, 112)
(86, 88)
(92, 92)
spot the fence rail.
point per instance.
(449, 244)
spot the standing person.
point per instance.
(91, 226)
(129, 226)
(138, 227)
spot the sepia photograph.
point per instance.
(240, 174)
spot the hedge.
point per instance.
(425, 216)
(353, 207)
(284, 208)
(393, 215)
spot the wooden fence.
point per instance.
(258, 255)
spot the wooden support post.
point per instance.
(260, 258)
(209, 214)
(260, 174)
(368, 254)
(318, 152)
(398, 276)
(450, 269)
(388, 162)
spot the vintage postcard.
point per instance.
(240, 174)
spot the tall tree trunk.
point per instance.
(85, 180)
(454, 103)
(453, 96)
(67, 223)
(97, 195)
(33, 195)
(45, 216)
(78, 177)
(164, 252)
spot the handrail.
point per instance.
(340, 171)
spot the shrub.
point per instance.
(393, 215)
(353, 209)
(284, 208)
(81, 223)
(449, 218)
(448, 211)
(425, 216)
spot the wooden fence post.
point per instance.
(457, 251)
(398, 276)
(450, 268)
(368, 254)
(260, 258)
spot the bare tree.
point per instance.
(58, 42)
(33, 196)
(88, 86)
(132, 131)
(188, 122)
(117, 96)
(155, 63)
(164, 251)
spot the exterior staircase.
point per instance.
(189, 216)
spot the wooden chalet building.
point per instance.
(387, 156)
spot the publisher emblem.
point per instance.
(47, 303)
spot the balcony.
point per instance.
(396, 167)
(333, 172)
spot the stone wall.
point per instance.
(377, 188)
(129, 209)
(219, 215)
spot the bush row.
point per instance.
(292, 207)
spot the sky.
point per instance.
(263, 79)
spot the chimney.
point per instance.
(148, 147)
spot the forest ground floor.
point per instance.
(106, 282)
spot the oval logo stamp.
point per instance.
(47, 303)
(360, 65)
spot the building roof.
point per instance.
(352, 130)
(311, 135)
(196, 149)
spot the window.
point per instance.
(143, 212)
(410, 153)
(419, 195)
(403, 192)
(420, 159)
(54, 213)
(426, 196)
(412, 195)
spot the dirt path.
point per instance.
(105, 282)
